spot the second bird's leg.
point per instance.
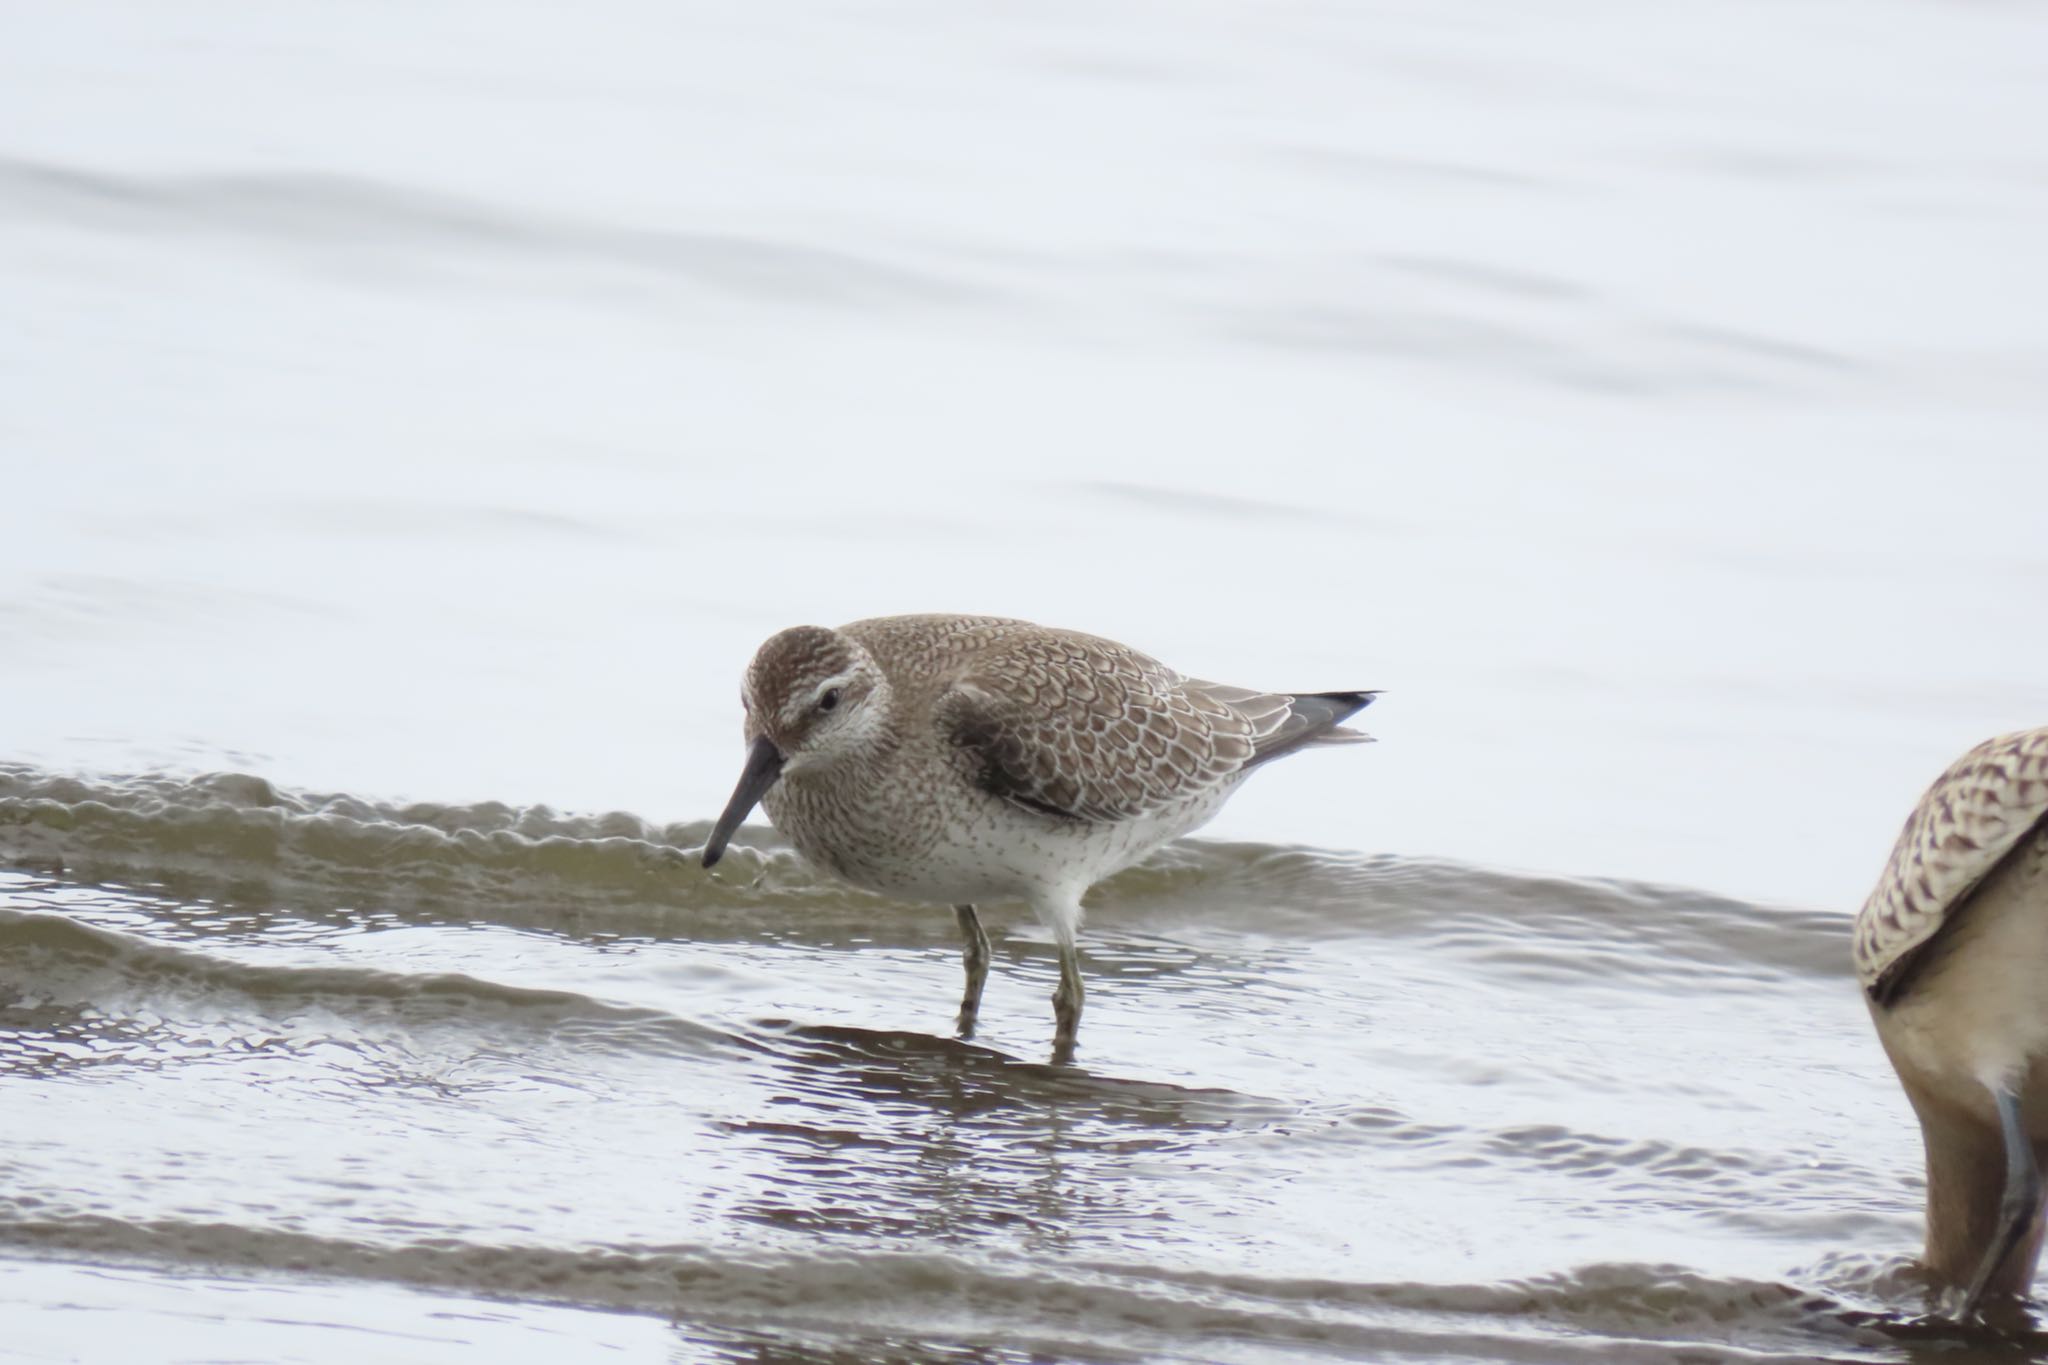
(1066, 1002)
(2021, 1204)
(976, 957)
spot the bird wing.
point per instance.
(1075, 726)
(1975, 814)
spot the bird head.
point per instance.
(813, 698)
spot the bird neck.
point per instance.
(877, 735)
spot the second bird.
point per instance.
(966, 759)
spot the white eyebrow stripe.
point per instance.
(796, 708)
(818, 694)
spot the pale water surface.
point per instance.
(435, 404)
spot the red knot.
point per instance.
(1952, 951)
(966, 759)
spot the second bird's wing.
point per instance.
(1975, 814)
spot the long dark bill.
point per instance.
(764, 765)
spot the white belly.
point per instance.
(984, 849)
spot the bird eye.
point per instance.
(829, 700)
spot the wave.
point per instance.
(231, 834)
(1539, 924)
(98, 997)
(847, 1294)
(237, 838)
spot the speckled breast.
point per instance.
(935, 839)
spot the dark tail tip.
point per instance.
(1342, 705)
(1314, 718)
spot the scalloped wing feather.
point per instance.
(1085, 728)
(1976, 813)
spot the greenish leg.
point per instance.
(1066, 1004)
(976, 957)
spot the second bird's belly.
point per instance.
(1977, 1014)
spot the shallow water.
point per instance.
(438, 404)
(523, 1067)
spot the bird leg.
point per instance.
(2021, 1204)
(976, 957)
(1066, 1003)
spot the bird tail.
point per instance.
(1315, 718)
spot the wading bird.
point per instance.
(1952, 952)
(965, 759)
